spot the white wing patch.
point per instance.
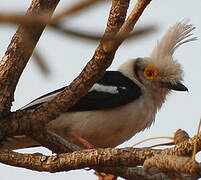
(106, 89)
(96, 87)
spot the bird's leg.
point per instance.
(83, 141)
(87, 144)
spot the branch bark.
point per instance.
(173, 164)
(17, 55)
(107, 158)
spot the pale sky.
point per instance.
(181, 110)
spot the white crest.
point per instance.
(175, 37)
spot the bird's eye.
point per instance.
(150, 72)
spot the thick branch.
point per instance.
(17, 54)
(76, 160)
(63, 162)
(172, 164)
(95, 158)
(132, 173)
(107, 158)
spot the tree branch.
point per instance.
(109, 157)
(75, 8)
(27, 21)
(171, 164)
(17, 55)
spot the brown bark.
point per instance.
(17, 54)
(173, 164)
(107, 158)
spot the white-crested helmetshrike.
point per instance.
(123, 102)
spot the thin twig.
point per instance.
(195, 144)
(41, 62)
(30, 20)
(75, 8)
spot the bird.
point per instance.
(122, 103)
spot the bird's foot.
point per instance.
(104, 176)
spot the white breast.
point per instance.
(106, 128)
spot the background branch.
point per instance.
(29, 20)
(75, 8)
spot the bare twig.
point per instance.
(76, 7)
(95, 36)
(195, 144)
(29, 20)
(41, 63)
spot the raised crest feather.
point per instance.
(175, 37)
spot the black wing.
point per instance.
(113, 90)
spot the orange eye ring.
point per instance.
(150, 72)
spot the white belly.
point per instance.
(105, 128)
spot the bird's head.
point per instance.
(160, 72)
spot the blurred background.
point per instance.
(65, 56)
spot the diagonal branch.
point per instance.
(17, 55)
(32, 123)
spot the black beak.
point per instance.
(177, 87)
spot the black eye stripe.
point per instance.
(137, 69)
